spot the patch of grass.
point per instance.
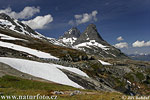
(118, 82)
(15, 85)
(98, 96)
(129, 76)
(140, 76)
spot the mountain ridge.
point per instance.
(91, 42)
(7, 22)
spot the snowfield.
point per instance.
(6, 37)
(34, 52)
(68, 40)
(104, 63)
(75, 70)
(46, 71)
(91, 43)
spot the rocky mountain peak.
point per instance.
(4, 16)
(91, 26)
(70, 36)
(73, 32)
(90, 33)
(8, 23)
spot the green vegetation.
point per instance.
(140, 76)
(118, 82)
(15, 85)
(129, 76)
(97, 96)
(10, 85)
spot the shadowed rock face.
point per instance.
(73, 32)
(5, 17)
(90, 33)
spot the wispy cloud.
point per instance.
(121, 45)
(39, 22)
(141, 44)
(27, 12)
(120, 38)
(84, 18)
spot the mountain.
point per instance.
(91, 42)
(90, 33)
(7, 22)
(142, 57)
(70, 36)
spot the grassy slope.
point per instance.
(10, 85)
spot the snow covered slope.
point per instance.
(9, 23)
(46, 71)
(34, 52)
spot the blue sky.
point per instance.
(128, 19)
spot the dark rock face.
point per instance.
(73, 32)
(5, 17)
(90, 33)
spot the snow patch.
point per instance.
(69, 40)
(34, 52)
(42, 70)
(104, 63)
(75, 70)
(91, 43)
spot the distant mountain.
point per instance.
(90, 33)
(90, 42)
(142, 57)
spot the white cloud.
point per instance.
(120, 38)
(121, 45)
(84, 18)
(141, 44)
(27, 12)
(39, 22)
